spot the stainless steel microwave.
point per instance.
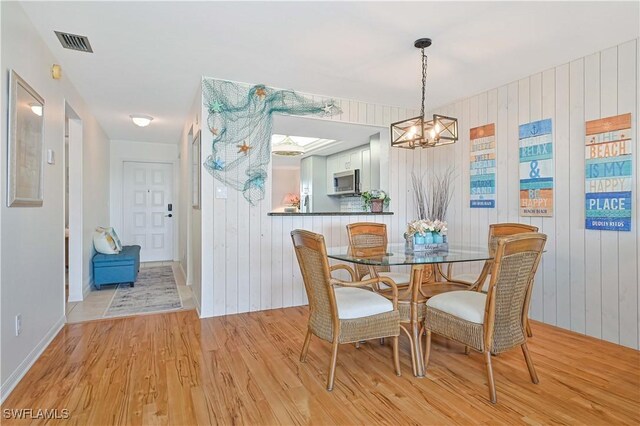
(347, 182)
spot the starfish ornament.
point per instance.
(244, 148)
(218, 164)
(216, 106)
(328, 108)
(261, 92)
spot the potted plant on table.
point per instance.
(375, 200)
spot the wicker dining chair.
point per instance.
(342, 311)
(370, 239)
(494, 322)
(480, 281)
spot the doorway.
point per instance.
(74, 282)
(148, 209)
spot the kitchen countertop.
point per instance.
(329, 214)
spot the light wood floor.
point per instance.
(243, 369)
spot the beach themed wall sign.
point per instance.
(482, 167)
(608, 173)
(536, 169)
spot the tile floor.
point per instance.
(97, 301)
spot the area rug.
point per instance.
(154, 291)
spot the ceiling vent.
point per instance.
(74, 42)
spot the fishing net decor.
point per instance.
(240, 120)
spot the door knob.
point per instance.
(168, 215)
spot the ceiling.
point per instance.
(149, 56)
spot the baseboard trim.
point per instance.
(12, 381)
(197, 303)
(184, 276)
(86, 289)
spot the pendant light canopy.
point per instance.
(420, 132)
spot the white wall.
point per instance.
(32, 246)
(588, 280)
(285, 181)
(123, 150)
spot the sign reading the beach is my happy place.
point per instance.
(536, 169)
(482, 167)
(608, 174)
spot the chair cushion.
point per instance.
(466, 305)
(358, 303)
(472, 278)
(400, 278)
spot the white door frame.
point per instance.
(176, 199)
(77, 270)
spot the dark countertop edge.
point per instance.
(329, 214)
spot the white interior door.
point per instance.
(148, 209)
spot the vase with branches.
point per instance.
(433, 199)
(432, 203)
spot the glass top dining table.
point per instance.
(396, 255)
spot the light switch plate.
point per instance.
(221, 192)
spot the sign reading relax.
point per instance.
(608, 174)
(536, 168)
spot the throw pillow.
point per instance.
(115, 237)
(103, 242)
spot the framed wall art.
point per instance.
(536, 168)
(26, 144)
(608, 173)
(482, 167)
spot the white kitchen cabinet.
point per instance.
(344, 162)
(355, 160)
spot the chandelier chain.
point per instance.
(424, 80)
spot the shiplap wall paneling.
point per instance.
(609, 239)
(593, 278)
(534, 108)
(576, 196)
(264, 246)
(548, 224)
(502, 152)
(463, 140)
(628, 249)
(562, 303)
(588, 280)
(233, 221)
(513, 185)
(492, 117)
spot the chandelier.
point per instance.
(418, 132)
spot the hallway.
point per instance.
(97, 302)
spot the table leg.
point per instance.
(416, 341)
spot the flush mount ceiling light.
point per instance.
(287, 148)
(418, 132)
(141, 120)
(36, 109)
